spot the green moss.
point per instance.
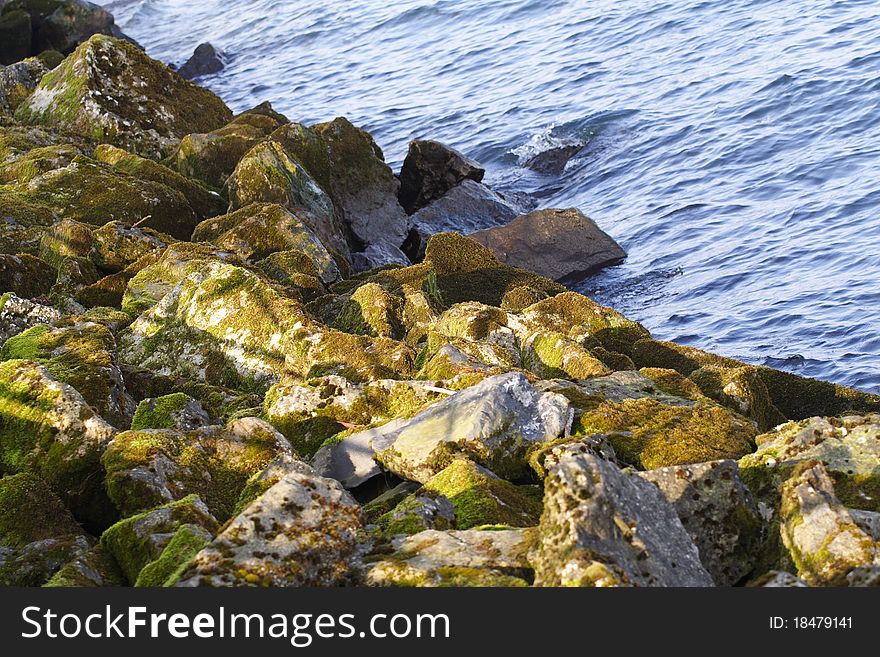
(372, 311)
(97, 567)
(551, 355)
(25, 275)
(186, 543)
(651, 435)
(741, 389)
(30, 511)
(23, 222)
(481, 499)
(159, 413)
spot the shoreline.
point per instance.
(241, 351)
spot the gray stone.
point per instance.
(378, 254)
(601, 527)
(204, 61)
(17, 315)
(430, 170)
(777, 579)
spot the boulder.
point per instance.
(25, 276)
(205, 60)
(17, 315)
(777, 579)
(601, 527)
(552, 161)
(455, 558)
(22, 222)
(301, 532)
(717, 512)
(378, 254)
(94, 568)
(111, 91)
(155, 466)
(62, 25)
(18, 80)
(82, 355)
(493, 422)
(174, 411)
(48, 429)
(563, 245)
(350, 167)
(820, 534)
(416, 513)
(115, 246)
(15, 36)
(430, 170)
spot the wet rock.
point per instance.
(350, 167)
(212, 157)
(717, 512)
(109, 90)
(563, 245)
(455, 558)
(301, 532)
(552, 162)
(47, 428)
(430, 170)
(155, 466)
(82, 355)
(493, 422)
(205, 60)
(15, 36)
(174, 411)
(601, 527)
(142, 539)
(18, 315)
(25, 276)
(821, 536)
(257, 231)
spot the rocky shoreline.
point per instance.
(241, 351)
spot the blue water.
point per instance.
(732, 144)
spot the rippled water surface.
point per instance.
(732, 145)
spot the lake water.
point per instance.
(732, 145)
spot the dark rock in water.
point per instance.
(430, 170)
(560, 244)
(204, 61)
(552, 162)
(467, 207)
(15, 37)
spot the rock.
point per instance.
(430, 170)
(25, 276)
(717, 512)
(378, 254)
(82, 355)
(552, 355)
(15, 35)
(95, 193)
(116, 246)
(155, 466)
(212, 157)
(821, 536)
(868, 522)
(174, 411)
(221, 323)
(455, 558)
(560, 244)
(267, 174)
(480, 497)
(601, 527)
(47, 428)
(18, 80)
(776, 579)
(466, 208)
(17, 315)
(204, 61)
(140, 540)
(300, 532)
(418, 512)
(166, 570)
(552, 161)
(204, 202)
(849, 449)
(350, 167)
(257, 231)
(351, 460)
(493, 422)
(22, 223)
(63, 25)
(111, 91)
(94, 568)
(281, 466)
(741, 389)
(35, 563)
(371, 310)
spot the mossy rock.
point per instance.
(117, 246)
(741, 389)
(24, 168)
(25, 275)
(83, 356)
(649, 434)
(186, 543)
(371, 310)
(30, 512)
(213, 462)
(22, 222)
(95, 568)
(109, 90)
(418, 512)
(204, 202)
(551, 355)
(174, 411)
(67, 239)
(47, 428)
(141, 539)
(35, 563)
(15, 31)
(481, 498)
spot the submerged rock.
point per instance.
(301, 532)
(563, 245)
(430, 170)
(552, 162)
(205, 60)
(109, 90)
(601, 527)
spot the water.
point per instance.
(731, 143)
